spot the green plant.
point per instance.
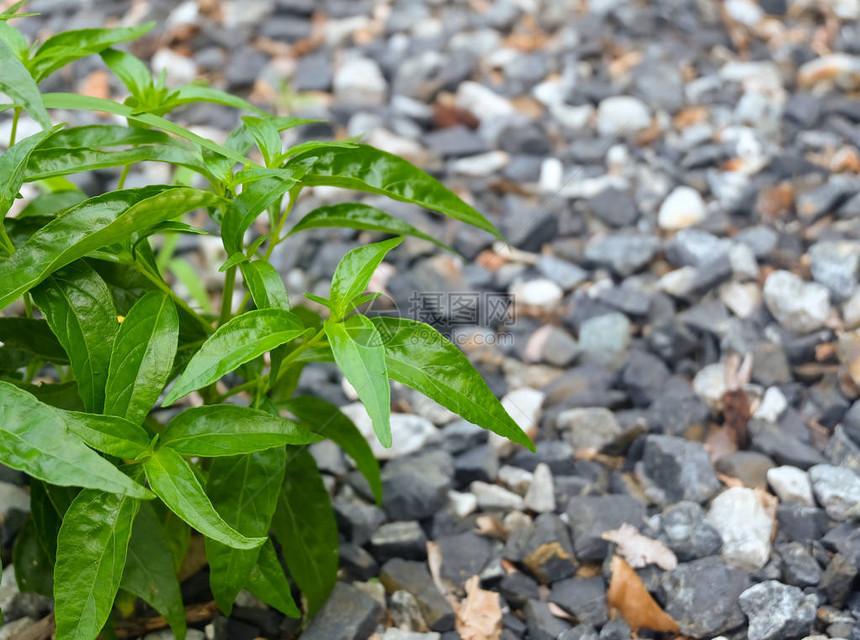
(116, 493)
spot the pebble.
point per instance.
(791, 484)
(588, 428)
(777, 611)
(591, 516)
(682, 208)
(491, 496)
(480, 166)
(679, 469)
(398, 574)
(622, 116)
(347, 614)
(409, 433)
(605, 338)
(359, 82)
(482, 102)
(799, 306)
(837, 490)
(540, 496)
(745, 527)
(542, 294)
(682, 527)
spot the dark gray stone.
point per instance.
(463, 556)
(416, 487)
(683, 528)
(644, 377)
(357, 561)
(801, 523)
(678, 410)
(584, 598)
(517, 589)
(414, 577)
(399, 540)
(680, 468)
(544, 549)
(542, 625)
(702, 596)
(356, 520)
(614, 207)
(348, 614)
(799, 567)
(591, 516)
(624, 252)
(455, 142)
(838, 579)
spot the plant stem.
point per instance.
(123, 176)
(6, 241)
(227, 296)
(28, 305)
(14, 134)
(161, 284)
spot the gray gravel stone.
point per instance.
(777, 611)
(591, 516)
(414, 577)
(679, 468)
(348, 614)
(837, 490)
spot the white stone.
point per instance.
(482, 165)
(710, 383)
(462, 504)
(851, 311)
(551, 174)
(745, 527)
(799, 306)
(588, 427)
(394, 633)
(482, 102)
(409, 433)
(572, 117)
(492, 496)
(540, 497)
(13, 497)
(524, 406)
(178, 69)
(745, 12)
(837, 490)
(621, 116)
(742, 299)
(542, 294)
(516, 479)
(772, 405)
(744, 264)
(839, 69)
(679, 282)
(359, 82)
(791, 484)
(682, 208)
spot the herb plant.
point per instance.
(115, 492)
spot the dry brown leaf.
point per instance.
(640, 551)
(729, 481)
(434, 562)
(479, 617)
(489, 526)
(629, 596)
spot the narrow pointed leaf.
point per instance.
(305, 526)
(176, 484)
(228, 430)
(105, 135)
(195, 93)
(131, 70)
(63, 395)
(360, 355)
(374, 171)
(238, 341)
(17, 83)
(91, 225)
(32, 565)
(244, 209)
(142, 357)
(325, 419)
(244, 490)
(109, 434)
(422, 358)
(63, 48)
(149, 570)
(34, 439)
(13, 165)
(91, 552)
(354, 271)
(352, 215)
(51, 204)
(79, 308)
(265, 284)
(268, 582)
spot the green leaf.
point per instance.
(229, 430)
(244, 209)
(177, 485)
(91, 552)
(17, 83)
(142, 357)
(105, 135)
(49, 163)
(49, 204)
(367, 169)
(265, 284)
(79, 308)
(325, 419)
(236, 342)
(130, 69)
(89, 103)
(422, 358)
(46, 520)
(13, 164)
(149, 570)
(33, 566)
(354, 271)
(196, 93)
(91, 225)
(185, 273)
(360, 355)
(63, 395)
(304, 524)
(352, 215)
(112, 435)
(33, 439)
(266, 137)
(268, 582)
(244, 490)
(33, 336)
(68, 46)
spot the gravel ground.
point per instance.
(679, 183)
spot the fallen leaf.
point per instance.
(629, 596)
(558, 612)
(434, 563)
(479, 617)
(640, 551)
(489, 526)
(729, 481)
